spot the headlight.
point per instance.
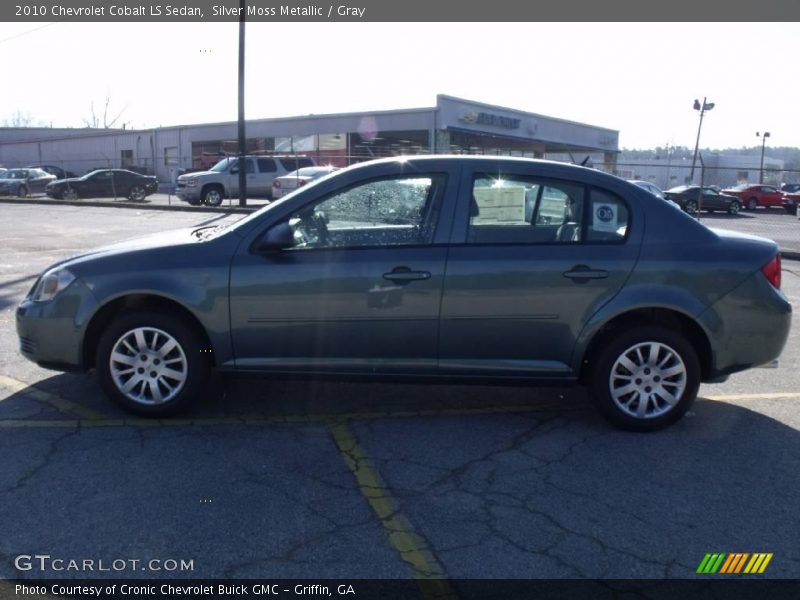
(191, 182)
(52, 283)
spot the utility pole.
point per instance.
(242, 138)
(763, 143)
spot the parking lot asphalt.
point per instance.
(299, 479)
(773, 223)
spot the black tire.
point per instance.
(752, 204)
(691, 207)
(734, 208)
(213, 195)
(70, 194)
(623, 408)
(790, 210)
(137, 193)
(22, 192)
(177, 376)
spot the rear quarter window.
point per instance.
(609, 218)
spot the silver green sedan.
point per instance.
(467, 269)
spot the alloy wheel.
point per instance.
(148, 366)
(647, 380)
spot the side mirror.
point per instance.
(234, 170)
(276, 238)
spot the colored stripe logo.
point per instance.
(734, 563)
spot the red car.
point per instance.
(755, 195)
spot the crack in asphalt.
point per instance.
(44, 462)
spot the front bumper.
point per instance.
(188, 194)
(51, 333)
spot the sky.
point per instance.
(638, 78)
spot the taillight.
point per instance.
(301, 182)
(772, 271)
(276, 183)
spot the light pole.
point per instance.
(763, 143)
(702, 108)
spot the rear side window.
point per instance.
(608, 218)
(510, 209)
(266, 165)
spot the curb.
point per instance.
(128, 204)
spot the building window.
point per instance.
(171, 158)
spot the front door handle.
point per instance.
(583, 273)
(404, 274)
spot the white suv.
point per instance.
(222, 180)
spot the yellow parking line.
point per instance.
(413, 549)
(61, 404)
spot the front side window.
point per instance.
(385, 212)
(521, 210)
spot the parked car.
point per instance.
(222, 180)
(422, 269)
(296, 179)
(790, 188)
(104, 183)
(54, 170)
(791, 203)
(22, 182)
(753, 196)
(692, 198)
(653, 189)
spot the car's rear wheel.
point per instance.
(691, 207)
(137, 193)
(733, 209)
(213, 196)
(70, 194)
(752, 204)
(645, 379)
(152, 363)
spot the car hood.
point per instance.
(150, 242)
(196, 173)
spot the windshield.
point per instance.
(224, 164)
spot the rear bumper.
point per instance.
(748, 327)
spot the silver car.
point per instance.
(297, 179)
(22, 182)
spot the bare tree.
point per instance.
(105, 121)
(19, 119)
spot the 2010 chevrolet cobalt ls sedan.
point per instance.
(467, 269)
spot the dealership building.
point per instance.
(453, 126)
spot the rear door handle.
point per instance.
(404, 274)
(583, 273)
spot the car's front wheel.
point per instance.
(752, 204)
(137, 193)
(69, 194)
(152, 363)
(733, 209)
(213, 196)
(691, 207)
(645, 379)
(22, 191)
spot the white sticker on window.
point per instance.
(604, 216)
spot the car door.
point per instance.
(359, 289)
(99, 185)
(771, 196)
(532, 259)
(250, 175)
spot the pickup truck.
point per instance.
(222, 180)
